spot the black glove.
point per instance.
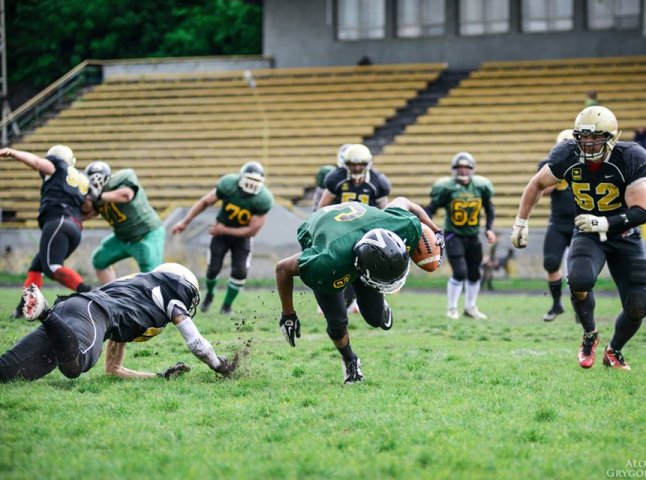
(174, 371)
(290, 325)
(439, 241)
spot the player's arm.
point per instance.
(87, 209)
(198, 345)
(250, 230)
(35, 162)
(419, 212)
(115, 352)
(490, 212)
(286, 270)
(327, 198)
(382, 202)
(634, 216)
(120, 195)
(198, 207)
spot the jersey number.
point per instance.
(351, 211)
(609, 193)
(355, 197)
(460, 212)
(241, 215)
(112, 214)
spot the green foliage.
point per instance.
(501, 398)
(46, 38)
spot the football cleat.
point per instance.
(17, 313)
(452, 313)
(388, 323)
(587, 350)
(473, 312)
(553, 312)
(206, 303)
(36, 307)
(226, 310)
(614, 359)
(352, 371)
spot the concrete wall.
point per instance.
(302, 33)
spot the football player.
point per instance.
(62, 193)
(608, 181)
(320, 185)
(351, 243)
(464, 195)
(558, 235)
(245, 204)
(137, 229)
(135, 308)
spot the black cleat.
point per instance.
(226, 310)
(553, 312)
(206, 303)
(387, 324)
(17, 313)
(352, 371)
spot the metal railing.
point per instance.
(89, 72)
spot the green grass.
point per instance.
(501, 398)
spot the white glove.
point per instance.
(591, 223)
(519, 233)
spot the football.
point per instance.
(427, 255)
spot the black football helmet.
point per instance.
(98, 174)
(252, 178)
(382, 260)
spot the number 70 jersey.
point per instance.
(237, 206)
(463, 203)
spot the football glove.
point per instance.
(290, 325)
(174, 371)
(591, 224)
(439, 241)
(519, 233)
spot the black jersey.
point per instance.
(141, 305)
(61, 193)
(562, 206)
(376, 187)
(599, 192)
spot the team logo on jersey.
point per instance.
(148, 334)
(344, 186)
(341, 282)
(577, 174)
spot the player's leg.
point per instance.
(110, 251)
(473, 259)
(336, 315)
(59, 239)
(373, 306)
(350, 299)
(217, 250)
(455, 254)
(35, 276)
(556, 241)
(149, 251)
(240, 263)
(585, 262)
(29, 359)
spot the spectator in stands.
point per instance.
(62, 193)
(559, 233)
(353, 244)
(364, 61)
(640, 136)
(72, 332)
(463, 196)
(245, 204)
(137, 230)
(355, 181)
(591, 99)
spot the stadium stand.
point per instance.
(181, 132)
(507, 114)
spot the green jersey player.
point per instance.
(245, 204)
(351, 244)
(464, 196)
(137, 231)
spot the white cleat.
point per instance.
(35, 303)
(453, 314)
(473, 312)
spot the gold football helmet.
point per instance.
(596, 132)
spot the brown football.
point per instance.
(427, 255)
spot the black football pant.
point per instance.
(240, 256)
(465, 256)
(59, 238)
(557, 238)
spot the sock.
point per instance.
(471, 290)
(555, 289)
(65, 345)
(68, 277)
(584, 310)
(625, 329)
(233, 289)
(34, 277)
(346, 352)
(210, 285)
(453, 291)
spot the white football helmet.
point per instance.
(463, 160)
(566, 134)
(340, 162)
(596, 132)
(98, 174)
(185, 274)
(63, 152)
(252, 178)
(357, 159)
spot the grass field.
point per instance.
(495, 399)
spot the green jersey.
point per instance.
(237, 206)
(329, 235)
(134, 219)
(462, 203)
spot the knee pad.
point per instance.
(239, 272)
(635, 308)
(551, 263)
(580, 277)
(337, 331)
(459, 275)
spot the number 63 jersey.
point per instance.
(238, 206)
(463, 203)
(599, 189)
